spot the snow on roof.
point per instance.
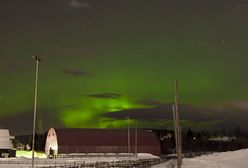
(5, 139)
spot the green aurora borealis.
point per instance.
(105, 60)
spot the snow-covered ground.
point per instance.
(25, 161)
(234, 159)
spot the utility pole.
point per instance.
(37, 59)
(177, 128)
(128, 138)
(136, 139)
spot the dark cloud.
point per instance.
(18, 64)
(162, 111)
(224, 118)
(150, 102)
(77, 52)
(77, 72)
(79, 4)
(21, 123)
(158, 112)
(105, 95)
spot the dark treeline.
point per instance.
(204, 141)
(25, 142)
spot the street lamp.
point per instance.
(37, 60)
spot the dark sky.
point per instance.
(104, 60)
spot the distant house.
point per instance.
(100, 141)
(6, 147)
(223, 138)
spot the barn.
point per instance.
(72, 140)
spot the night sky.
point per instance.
(104, 60)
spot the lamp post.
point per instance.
(37, 60)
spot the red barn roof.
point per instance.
(105, 140)
(106, 137)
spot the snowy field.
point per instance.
(24, 162)
(235, 159)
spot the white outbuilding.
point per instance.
(6, 146)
